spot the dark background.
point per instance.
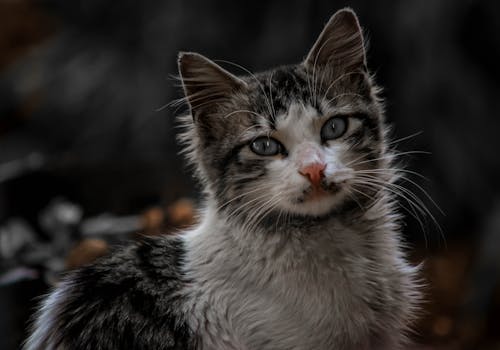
(86, 138)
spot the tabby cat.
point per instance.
(298, 244)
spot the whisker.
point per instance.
(248, 129)
(389, 156)
(405, 138)
(409, 196)
(259, 216)
(342, 76)
(404, 178)
(411, 210)
(392, 171)
(342, 95)
(241, 111)
(237, 197)
(350, 194)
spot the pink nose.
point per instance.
(313, 172)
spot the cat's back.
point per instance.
(130, 299)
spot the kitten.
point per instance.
(298, 246)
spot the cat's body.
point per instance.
(298, 244)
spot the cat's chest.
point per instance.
(315, 311)
(303, 307)
(316, 291)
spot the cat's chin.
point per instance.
(316, 204)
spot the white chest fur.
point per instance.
(319, 290)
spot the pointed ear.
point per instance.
(204, 82)
(340, 44)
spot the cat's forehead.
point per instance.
(298, 121)
(295, 103)
(291, 91)
(272, 92)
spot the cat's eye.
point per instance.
(333, 128)
(266, 146)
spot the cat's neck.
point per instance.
(290, 242)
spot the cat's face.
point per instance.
(297, 140)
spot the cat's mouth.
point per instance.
(314, 194)
(317, 193)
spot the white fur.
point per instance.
(45, 322)
(292, 290)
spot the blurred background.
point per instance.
(88, 157)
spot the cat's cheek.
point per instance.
(286, 179)
(336, 154)
(279, 171)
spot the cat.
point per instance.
(298, 244)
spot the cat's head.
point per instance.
(298, 140)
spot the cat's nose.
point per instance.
(314, 172)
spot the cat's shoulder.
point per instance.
(129, 299)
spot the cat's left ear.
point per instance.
(205, 83)
(340, 44)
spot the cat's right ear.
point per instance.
(205, 83)
(340, 44)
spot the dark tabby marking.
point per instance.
(125, 301)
